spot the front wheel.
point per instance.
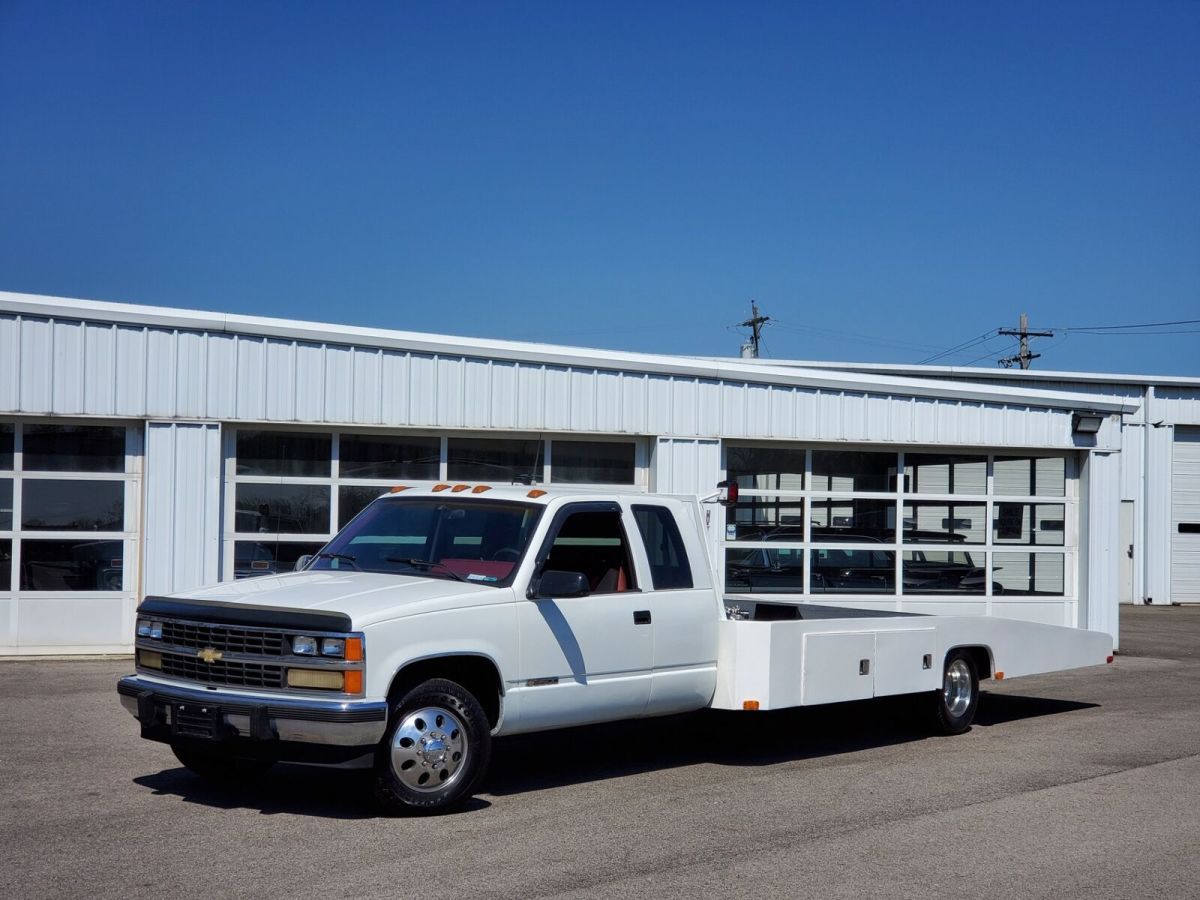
(435, 750)
(955, 704)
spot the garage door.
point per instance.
(1185, 517)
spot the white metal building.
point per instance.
(147, 450)
(1159, 518)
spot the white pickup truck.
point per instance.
(444, 616)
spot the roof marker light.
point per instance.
(440, 487)
(459, 488)
(398, 488)
(480, 488)
(536, 492)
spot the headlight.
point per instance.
(304, 646)
(143, 628)
(333, 647)
(156, 630)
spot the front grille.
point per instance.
(225, 638)
(235, 674)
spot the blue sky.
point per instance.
(887, 180)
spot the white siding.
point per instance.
(182, 525)
(67, 367)
(1098, 599)
(1185, 510)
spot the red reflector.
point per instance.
(1109, 660)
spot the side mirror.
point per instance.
(302, 562)
(554, 584)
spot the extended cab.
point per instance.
(443, 616)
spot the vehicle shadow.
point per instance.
(551, 759)
(284, 789)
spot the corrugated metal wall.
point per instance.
(68, 367)
(182, 542)
(1098, 596)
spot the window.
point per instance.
(938, 473)
(669, 568)
(293, 490)
(73, 448)
(757, 468)
(593, 542)
(382, 456)
(834, 521)
(6, 446)
(845, 470)
(493, 459)
(593, 462)
(283, 453)
(63, 507)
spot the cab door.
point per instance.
(584, 658)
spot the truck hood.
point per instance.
(367, 597)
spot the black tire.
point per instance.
(220, 768)
(436, 749)
(956, 702)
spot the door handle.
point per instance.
(641, 617)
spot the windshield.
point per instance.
(480, 541)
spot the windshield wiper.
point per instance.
(426, 563)
(353, 560)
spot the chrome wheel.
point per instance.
(957, 688)
(429, 749)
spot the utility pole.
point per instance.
(755, 324)
(1024, 357)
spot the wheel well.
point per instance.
(477, 674)
(981, 656)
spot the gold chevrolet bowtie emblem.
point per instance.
(209, 654)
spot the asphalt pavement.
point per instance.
(1079, 784)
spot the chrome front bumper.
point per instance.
(330, 723)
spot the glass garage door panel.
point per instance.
(62, 505)
(282, 508)
(73, 448)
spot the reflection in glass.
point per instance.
(765, 469)
(1040, 476)
(1033, 574)
(932, 521)
(71, 565)
(944, 572)
(282, 508)
(592, 462)
(765, 518)
(6, 445)
(74, 448)
(5, 566)
(283, 453)
(379, 456)
(6, 504)
(843, 570)
(251, 559)
(60, 505)
(870, 519)
(352, 499)
(1029, 523)
(764, 569)
(492, 459)
(847, 470)
(940, 473)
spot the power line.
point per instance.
(965, 345)
(1140, 325)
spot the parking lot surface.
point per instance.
(1080, 784)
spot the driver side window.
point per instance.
(593, 542)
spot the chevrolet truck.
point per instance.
(445, 616)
